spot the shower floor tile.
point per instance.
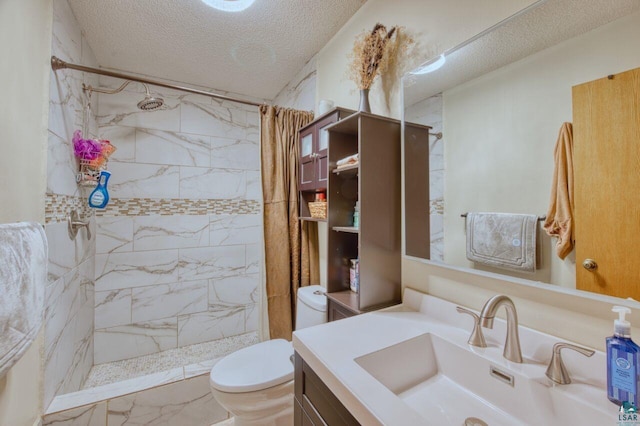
(116, 371)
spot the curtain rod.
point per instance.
(57, 64)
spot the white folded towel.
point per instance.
(23, 277)
(502, 240)
(352, 159)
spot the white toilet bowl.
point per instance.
(255, 384)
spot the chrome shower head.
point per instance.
(150, 103)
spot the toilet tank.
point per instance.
(311, 308)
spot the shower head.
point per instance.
(150, 103)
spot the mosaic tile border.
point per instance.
(58, 206)
(176, 206)
(437, 206)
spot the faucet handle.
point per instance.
(74, 224)
(556, 370)
(476, 338)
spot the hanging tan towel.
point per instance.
(502, 240)
(559, 222)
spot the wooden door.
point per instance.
(606, 124)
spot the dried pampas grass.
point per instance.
(370, 55)
(398, 51)
(381, 52)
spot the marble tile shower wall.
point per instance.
(300, 92)
(429, 112)
(69, 311)
(179, 247)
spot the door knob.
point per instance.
(589, 265)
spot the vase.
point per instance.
(364, 101)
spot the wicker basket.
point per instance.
(318, 209)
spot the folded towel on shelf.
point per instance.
(559, 222)
(347, 161)
(502, 240)
(23, 278)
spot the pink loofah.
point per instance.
(85, 149)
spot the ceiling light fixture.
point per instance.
(229, 5)
(430, 66)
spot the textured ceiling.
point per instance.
(543, 26)
(255, 52)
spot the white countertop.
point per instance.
(331, 349)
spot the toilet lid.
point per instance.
(254, 368)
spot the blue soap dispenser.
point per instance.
(99, 197)
(623, 360)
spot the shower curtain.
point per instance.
(291, 247)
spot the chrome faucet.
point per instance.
(556, 370)
(512, 350)
(476, 338)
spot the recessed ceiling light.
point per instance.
(229, 5)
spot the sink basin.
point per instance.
(447, 384)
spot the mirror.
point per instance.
(500, 100)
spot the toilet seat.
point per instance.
(254, 368)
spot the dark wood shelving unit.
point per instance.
(375, 183)
(351, 169)
(351, 229)
(312, 219)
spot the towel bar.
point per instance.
(540, 218)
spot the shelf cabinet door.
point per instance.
(322, 139)
(322, 146)
(314, 144)
(322, 171)
(308, 180)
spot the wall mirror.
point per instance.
(499, 101)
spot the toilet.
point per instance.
(255, 384)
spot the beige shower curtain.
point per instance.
(291, 247)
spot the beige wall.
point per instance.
(25, 31)
(585, 319)
(507, 166)
(25, 34)
(436, 25)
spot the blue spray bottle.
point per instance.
(623, 362)
(99, 197)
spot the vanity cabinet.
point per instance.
(313, 150)
(314, 403)
(375, 182)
